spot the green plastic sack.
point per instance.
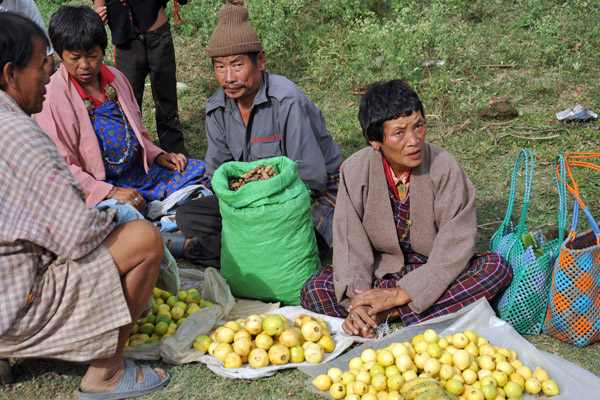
(524, 303)
(268, 245)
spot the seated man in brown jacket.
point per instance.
(404, 226)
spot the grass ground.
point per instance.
(543, 56)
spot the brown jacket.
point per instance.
(365, 242)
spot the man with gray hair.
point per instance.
(73, 280)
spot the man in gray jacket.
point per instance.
(256, 115)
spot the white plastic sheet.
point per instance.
(178, 349)
(576, 113)
(340, 338)
(574, 382)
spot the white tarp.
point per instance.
(574, 382)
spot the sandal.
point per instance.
(174, 242)
(128, 386)
(6, 375)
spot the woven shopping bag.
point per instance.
(574, 307)
(525, 301)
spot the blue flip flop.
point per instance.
(128, 386)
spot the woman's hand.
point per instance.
(172, 161)
(128, 195)
(378, 300)
(360, 323)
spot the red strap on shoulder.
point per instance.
(388, 177)
(177, 16)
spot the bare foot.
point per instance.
(89, 384)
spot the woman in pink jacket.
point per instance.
(91, 114)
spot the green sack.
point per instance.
(268, 245)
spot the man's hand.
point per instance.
(360, 323)
(130, 196)
(101, 11)
(378, 300)
(172, 161)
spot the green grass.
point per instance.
(329, 48)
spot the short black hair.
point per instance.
(385, 101)
(253, 56)
(17, 34)
(76, 28)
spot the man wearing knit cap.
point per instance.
(257, 115)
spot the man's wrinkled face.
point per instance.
(29, 83)
(238, 76)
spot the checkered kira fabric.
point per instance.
(51, 247)
(574, 308)
(322, 208)
(485, 276)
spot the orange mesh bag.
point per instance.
(574, 309)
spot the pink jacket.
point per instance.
(66, 120)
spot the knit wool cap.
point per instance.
(233, 33)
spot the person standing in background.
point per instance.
(141, 34)
(27, 8)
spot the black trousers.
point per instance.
(201, 220)
(153, 53)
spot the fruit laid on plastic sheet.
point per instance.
(288, 337)
(517, 369)
(275, 334)
(168, 313)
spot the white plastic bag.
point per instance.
(574, 382)
(178, 349)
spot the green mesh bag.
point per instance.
(268, 245)
(525, 301)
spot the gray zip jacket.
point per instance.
(283, 122)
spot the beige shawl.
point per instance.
(444, 226)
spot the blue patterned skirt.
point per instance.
(122, 156)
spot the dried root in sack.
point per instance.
(260, 173)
